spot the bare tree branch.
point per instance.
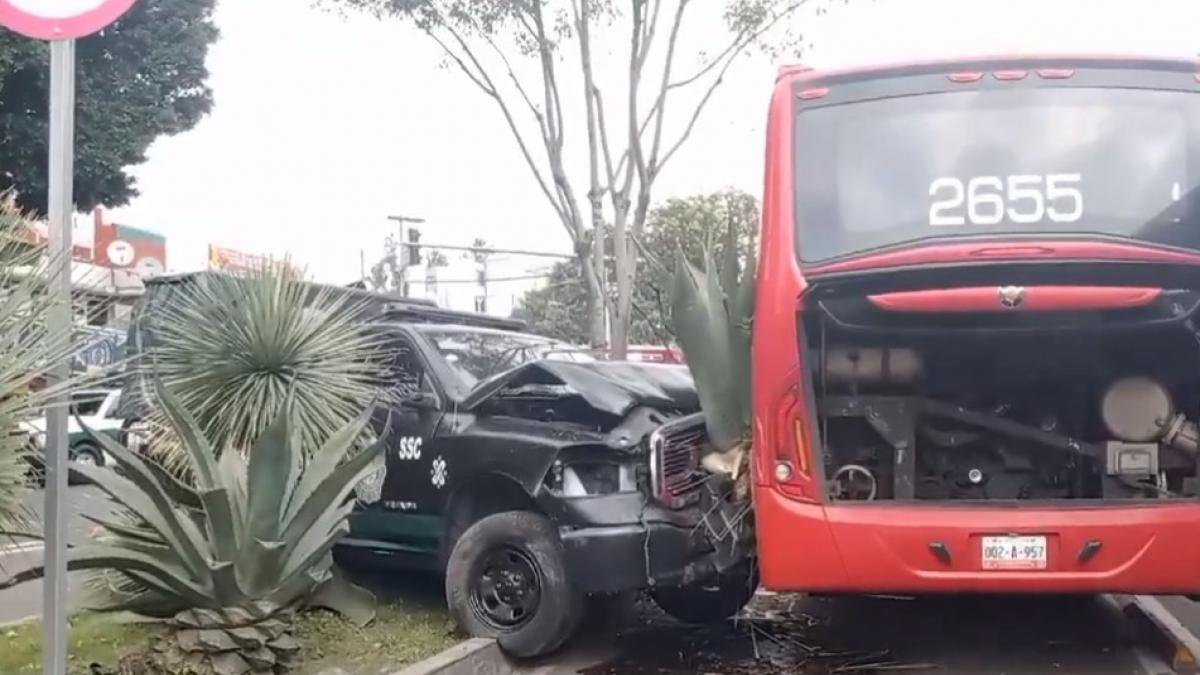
(696, 113)
(738, 43)
(512, 75)
(737, 47)
(661, 101)
(610, 170)
(553, 100)
(485, 84)
(637, 61)
(478, 79)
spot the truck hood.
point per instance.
(609, 387)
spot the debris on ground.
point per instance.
(772, 635)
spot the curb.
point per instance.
(1172, 641)
(476, 656)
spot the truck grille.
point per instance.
(675, 457)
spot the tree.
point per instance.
(495, 44)
(686, 224)
(553, 309)
(141, 78)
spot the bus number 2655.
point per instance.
(989, 200)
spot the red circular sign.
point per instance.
(60, 19)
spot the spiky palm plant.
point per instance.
(236, 553)
(233, 349)
(711, 309)
(28, 349)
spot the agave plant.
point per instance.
(237, 552)
(28, 349)
(711, 309)
(233, 349)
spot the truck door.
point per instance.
(398, 502)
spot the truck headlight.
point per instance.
(589, 478)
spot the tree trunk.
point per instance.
(625, 265)
(595, 303)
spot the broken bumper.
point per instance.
(623, 542)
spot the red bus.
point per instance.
(976, 351)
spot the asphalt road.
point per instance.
(25, 601)
(952, 635)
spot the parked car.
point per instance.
(647, 354)
(95, 408)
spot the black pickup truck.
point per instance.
(532, 476)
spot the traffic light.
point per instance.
(414, 250)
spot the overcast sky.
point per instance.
(324, 125)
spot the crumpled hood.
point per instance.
(611, 387)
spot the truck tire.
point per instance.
(708, 603)
(506, 579)
(87, 453)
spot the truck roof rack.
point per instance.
(352, 290)
(384, 306)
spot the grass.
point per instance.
(403, 632)
(94, 639)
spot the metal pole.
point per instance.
(61, 179)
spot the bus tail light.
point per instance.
(790, 455)
(966, 76)
(1009, 74)
(1055, 73)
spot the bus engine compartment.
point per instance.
(987, 406)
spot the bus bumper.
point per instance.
(1148, 547)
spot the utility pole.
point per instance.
(481, 254)
(406, 256)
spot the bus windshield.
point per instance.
(1030, 161)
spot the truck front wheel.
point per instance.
(506, 579)
(712, 602)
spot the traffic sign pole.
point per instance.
(60, 23)
(61, 207)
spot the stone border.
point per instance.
(475, 656)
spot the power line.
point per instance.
(528, 277)
(489, 250)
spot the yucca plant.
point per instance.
(711, 311)
(28, 349)
(236, 553)
(233, 349)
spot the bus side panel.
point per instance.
(796, 547)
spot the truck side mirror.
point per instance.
(419, 400)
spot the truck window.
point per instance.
(407, 373)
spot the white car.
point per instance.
(95, 408)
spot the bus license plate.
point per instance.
(1014, 553)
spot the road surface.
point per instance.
(951, 635)
(25, 601)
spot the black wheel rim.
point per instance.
(506, 590)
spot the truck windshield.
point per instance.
(476, 355)
(997, 161)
